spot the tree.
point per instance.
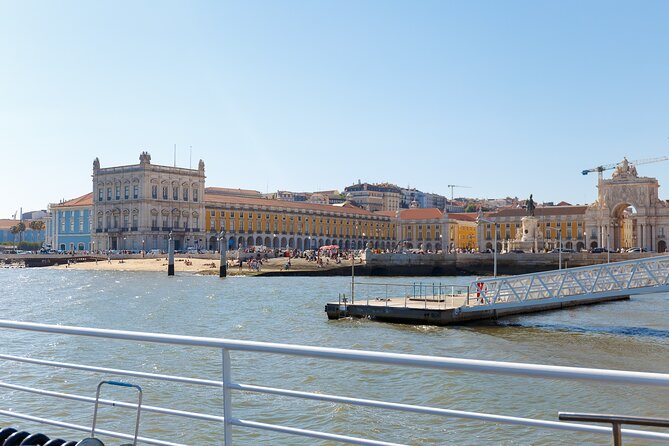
(37, 225)
(20, 228)
(14, 230)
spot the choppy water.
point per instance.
(629, 335)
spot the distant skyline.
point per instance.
(511, 98)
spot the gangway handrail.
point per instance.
(581, 268)
(409, 285)
(400, 359)
(600, 280)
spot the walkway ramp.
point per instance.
(619, 279)
(490, 298)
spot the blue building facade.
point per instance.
(69, 227)
(27, 236)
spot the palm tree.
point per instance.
(37, 225)
(20, 228)
(14, 230)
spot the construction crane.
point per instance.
(601, 169)
(453, 186)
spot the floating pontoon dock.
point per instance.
(491, 298)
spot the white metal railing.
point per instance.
(228, 385)
(618, 278)
(436, 294)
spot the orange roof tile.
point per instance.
(420, 214)
(84, 200)
(463, 216)
(231, 191)
(6, 223)
(213, 199)
(541, 211)
(391, 214)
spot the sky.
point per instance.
(509, 98)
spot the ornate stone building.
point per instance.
(628, 212)
(136, 207)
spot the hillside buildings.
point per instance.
(137, 207)
(374, 197)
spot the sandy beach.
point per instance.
(192, 265)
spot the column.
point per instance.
(651, 233)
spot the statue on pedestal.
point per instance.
(530, 206)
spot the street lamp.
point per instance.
(559, 235)
(608, 244)
(222, 251)
(143, 246)
(494, 251)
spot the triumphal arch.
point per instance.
(628, 212)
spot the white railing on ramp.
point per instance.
(626, 278)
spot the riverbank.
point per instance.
(376, 265)
(204, 266)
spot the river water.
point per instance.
(628, 335)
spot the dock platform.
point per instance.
(496, 297)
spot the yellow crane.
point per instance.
(602, 168)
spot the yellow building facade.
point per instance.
(421, 229)
(462, 231)
(555, 223)
(294, 225)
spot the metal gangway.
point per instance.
(52, 403)
(618, 279)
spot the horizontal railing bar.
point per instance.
(574, 427)
(88, 399)
(441, 363)
(310, 433)
(579, 269)
(417, 284)
(620, 419)
(159, 377)
(80, 428)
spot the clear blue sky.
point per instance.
(510, 98)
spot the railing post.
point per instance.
(617, 434)
(227, 399)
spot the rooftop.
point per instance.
(84, 200)
(421, 214)
(210, 198)
(541, 211)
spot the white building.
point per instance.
(137, 207)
